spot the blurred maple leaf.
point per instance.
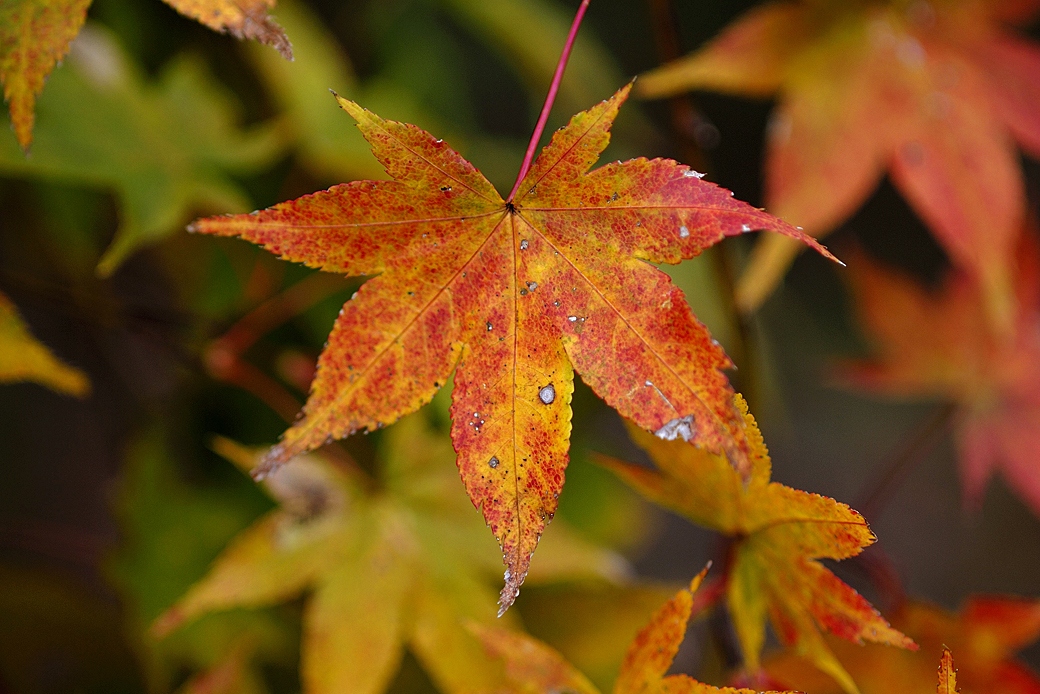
(779, 533)
(984, 634)
(165, 149)
(23, 358)
(517, 294)
(941, 345)
(932, 93)
(35, 36)
(540, 669)
(388, 567)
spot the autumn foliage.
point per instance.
(492, 345)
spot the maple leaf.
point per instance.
(517, 294)
(934, 94)
(940, 345)
(539, 668)
(779, 533)
(23, 358)
(35, 35)
(985, 634)
(394, 566)
(165, 149)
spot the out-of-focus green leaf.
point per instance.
(328, 143)
(164, 149)
(171, 532)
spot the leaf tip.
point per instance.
(257, 24)
(349, 106)
(270, 463)
(511, 589)
(947, 673)
(695, 582)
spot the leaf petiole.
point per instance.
(550, 97)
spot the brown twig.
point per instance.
(224, 362)
(914, 450)
(280, 308)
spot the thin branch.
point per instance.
(914, 450)
(224, 362)
(280, 308)
(553, 88)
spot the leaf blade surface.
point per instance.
(514, 297)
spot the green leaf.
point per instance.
(164, 149)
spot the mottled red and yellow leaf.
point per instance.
(513, 297)
(23, 358)
(941, 344)
(34, 36)
(779, 534)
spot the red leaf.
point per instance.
(985, 634)
(941, 344)
(516, 296)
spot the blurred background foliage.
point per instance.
(113, 505)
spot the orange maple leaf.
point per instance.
(540, 669)
(941, 345)
(35, 36)
(517, 294)
(985, 634)
(779, 533)
(933, 93)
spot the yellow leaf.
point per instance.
(23, 358)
